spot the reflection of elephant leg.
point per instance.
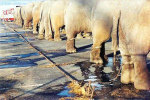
(142, 75)
(100, 35)
(127, 73)
(70, 45)
(41, 31)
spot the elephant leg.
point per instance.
(56, 22)
(57, 34)
(142, 75)
(26, 24)
(30, 24)
(100, 35)
(48, 32)
(35, 23)
(127, 73)
(41, 30)
(70, 45)
(95, 54)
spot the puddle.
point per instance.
(65, 93)
(101, 78)
(99, 72)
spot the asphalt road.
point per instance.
(26, 75)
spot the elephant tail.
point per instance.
(20, 17)
(114, 34)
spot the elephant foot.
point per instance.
(40, 37)
(26, 27)
(49, 38)
(71, 50)
(97, 61)
(35, 33)
(95, 56)
(57, 39)
(127, 74)
(142, 79)
(142, 84)
(30, 27)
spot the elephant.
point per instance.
(91, 16)
(26, 15)
(36, 16)
(45, 21)
(54, 19)
(134, 42)
(17, 16)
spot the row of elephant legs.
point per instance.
(48, 33)
(27, 24)
(134, 67)
(49, 36)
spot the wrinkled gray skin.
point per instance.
(94, 16)
(134, 42)
(134, 37)
(54, 19)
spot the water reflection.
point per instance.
(101, 77)
(65, 93)
(101, 72)
(98, 74)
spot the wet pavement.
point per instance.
(26, 75)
